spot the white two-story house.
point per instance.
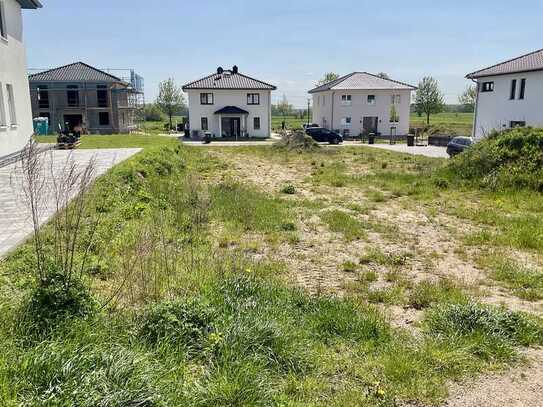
(15, 112)
(229, 104)
(361, 103)
(509, 94)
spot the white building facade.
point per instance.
(228, 104)
(509, 94)
(362, 103)
(15, 112)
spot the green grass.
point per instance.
(200, 324)
(117, 141)
(461, 123)
(341, 222)
(291, 122)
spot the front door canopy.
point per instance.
(231, 110)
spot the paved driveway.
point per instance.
(428, 151)
(15, 217)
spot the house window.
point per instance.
(394, 116)
(323, 100)
(513, 92)
(487, 87)
(3, 32)
(11, 104)
(346, 100)
(43, 97)
(522, 89)
(101, 95)
(514, 124)
(73, 95)
(3, 119)
(371, 99)
(346, 121)
(206, 98)
(253, 98)
(395, 99)
(256, 123)
(203, 123)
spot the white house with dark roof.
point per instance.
(509, 94)
(15, 114)
(229, 104)
(361, 103)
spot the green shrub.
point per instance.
(511, 159)
(288, 189)
(56, 300)
(181, 322)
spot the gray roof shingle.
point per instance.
(229, 80)
(362, 80)
(76, 72)
(525, 63)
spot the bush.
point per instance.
(511, 159)
(180, 322)
(152, 113)
(288, 189)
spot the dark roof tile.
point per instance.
(525, 63)
(76, 72)
(229, 80)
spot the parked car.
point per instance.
(458, 144)
(321, 134)
(307, 126)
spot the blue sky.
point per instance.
(288, 43)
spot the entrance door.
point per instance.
(231, 126)
(73, 120)
(236, 125)
(369, 124)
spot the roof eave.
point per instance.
(474, 75)
(184, 88)
(30, 4)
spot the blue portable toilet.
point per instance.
(41, 126)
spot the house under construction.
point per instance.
(81, 96)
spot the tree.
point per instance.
(383, 75)
(170, 98)
(152, 112)
(284, 108)
(468, 98)
(429, 99)
(328, 77)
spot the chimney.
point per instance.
(235, 69)
(220, 70)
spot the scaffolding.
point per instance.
(125, 99)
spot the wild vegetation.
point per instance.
(272, 276)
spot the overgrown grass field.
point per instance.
(184, 297)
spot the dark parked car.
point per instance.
(324, 135)
(458, 144)
(308, 126)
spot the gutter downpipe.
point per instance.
(475, 110)
(332, 117)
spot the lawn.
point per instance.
(117, 141)
(257, 276)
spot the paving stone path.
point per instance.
(15, 216)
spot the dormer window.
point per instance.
(206, 98)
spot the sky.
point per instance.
(289, 43)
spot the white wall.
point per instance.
(238, 98)
(13, 71)
(359, 108)
(495, 110)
